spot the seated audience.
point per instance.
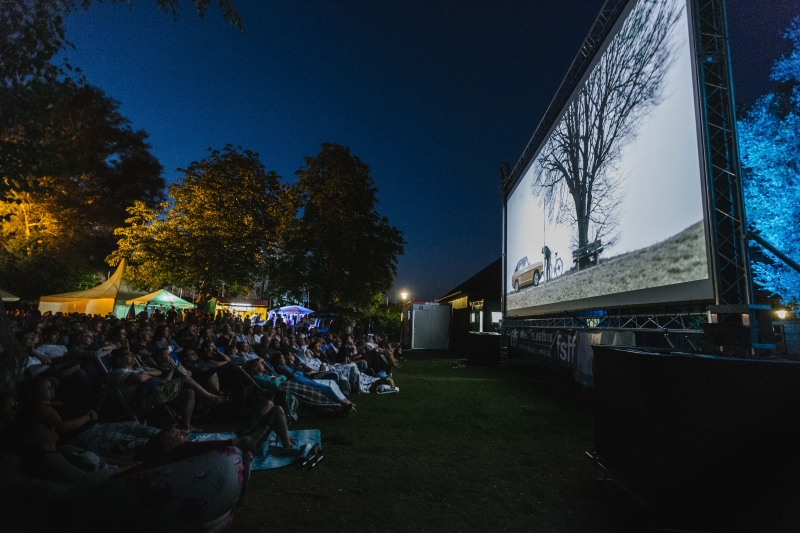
(41, 406)
(329, 388)
(50, 345)
(74, 466)
(145, 388)
(164, 340)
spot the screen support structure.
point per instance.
(726, 208)
(730, 263)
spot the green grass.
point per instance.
(466, 449)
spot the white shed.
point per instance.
(426, 326)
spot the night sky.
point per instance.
(433, 95)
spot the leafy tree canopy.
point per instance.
(769, 137)
(71, 164)
(382, 318)
(224, 228)
(71, 143)
(31, 85)
(341, 250)
(33, 142)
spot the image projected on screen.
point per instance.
(611, 203)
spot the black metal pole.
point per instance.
(782, 256)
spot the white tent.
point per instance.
(292, 310)
(108, 297)
(8, 297)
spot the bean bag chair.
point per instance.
(196, 494)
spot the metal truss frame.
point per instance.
(608, 16)
(730, 263)
(662, 322)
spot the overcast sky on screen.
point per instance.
(433, 95)
(658, 169)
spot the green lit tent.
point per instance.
(160, 298)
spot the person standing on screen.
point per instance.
(546, 252)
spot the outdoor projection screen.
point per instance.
(615, 190)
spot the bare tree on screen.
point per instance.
(576, 175)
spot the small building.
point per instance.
(476, 305)
(476, 312)
(425, 326)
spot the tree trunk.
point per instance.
(12, 358)
(582, 223)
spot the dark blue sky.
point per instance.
(433, 95)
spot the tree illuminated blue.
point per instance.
(769, 137)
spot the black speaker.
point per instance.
(696, 431)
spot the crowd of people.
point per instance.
(90, 381)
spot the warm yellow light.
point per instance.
(403, 295)
(781, 314)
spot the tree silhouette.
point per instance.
(341, 249)
(576, 174)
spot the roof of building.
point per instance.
(485, 285)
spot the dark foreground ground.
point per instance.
(458, 449)
(463, 449)
(474, 449)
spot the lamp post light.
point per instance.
(403, 297)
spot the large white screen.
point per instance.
(620, 172)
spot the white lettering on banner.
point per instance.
(560, 346)
(566, 348)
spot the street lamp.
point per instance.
(403, 297)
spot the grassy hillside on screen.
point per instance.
(679, 259)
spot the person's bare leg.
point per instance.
(259, 418)
(187, 382)
(186, 407)
(249, 442)
(277, 420)
(212, 384)
(265, 406)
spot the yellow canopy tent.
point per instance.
(159, 298)
(108, 297)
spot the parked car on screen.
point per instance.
(526, 273)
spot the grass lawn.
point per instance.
(458, 449)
